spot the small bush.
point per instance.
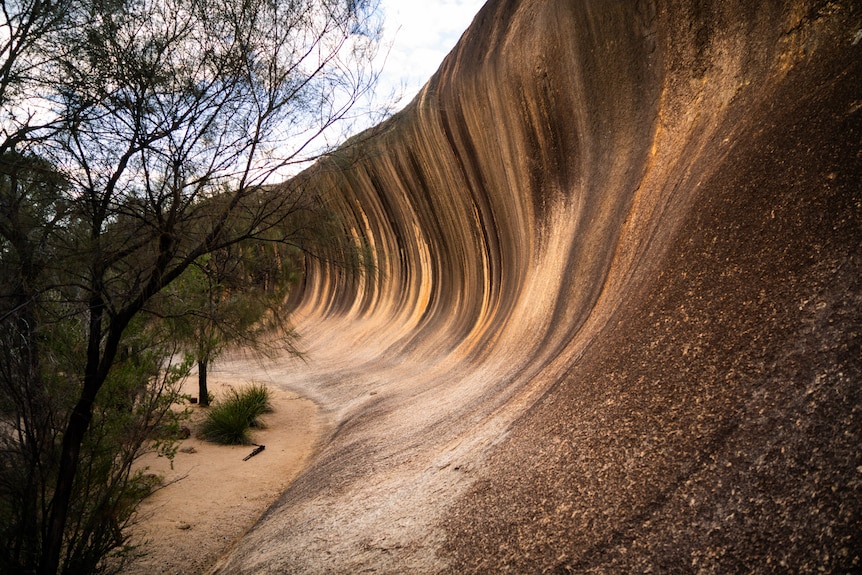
(228, 421)
(256, 399)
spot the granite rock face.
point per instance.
(616, 321)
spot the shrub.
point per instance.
(229, 420)
(256, 399)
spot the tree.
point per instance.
(39, 353)
(165, 118)
(30, 207)
(30, 48)
(233, 296)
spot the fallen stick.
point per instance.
(257, 450)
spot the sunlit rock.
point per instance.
(615, 324)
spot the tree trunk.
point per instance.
(95, 373)
(203, 393)
(72, 439)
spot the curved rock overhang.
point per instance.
(615, 321)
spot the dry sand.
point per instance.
(211, 496)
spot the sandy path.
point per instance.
(212, 497)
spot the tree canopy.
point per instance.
(140, 139)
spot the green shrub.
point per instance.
(229, 420)
(256, 399)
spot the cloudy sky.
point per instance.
(421, 33)
(417, 35)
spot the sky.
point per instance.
(421, 33)
(417, 36)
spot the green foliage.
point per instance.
(229, 421)
(138, 141)
(134, 413)
(256, 399)
(227, 424)
(232, 296)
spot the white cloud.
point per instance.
(420, 34)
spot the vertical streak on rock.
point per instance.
(533, 186)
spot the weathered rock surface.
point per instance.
(616, 326)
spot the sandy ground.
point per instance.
(211, 496)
